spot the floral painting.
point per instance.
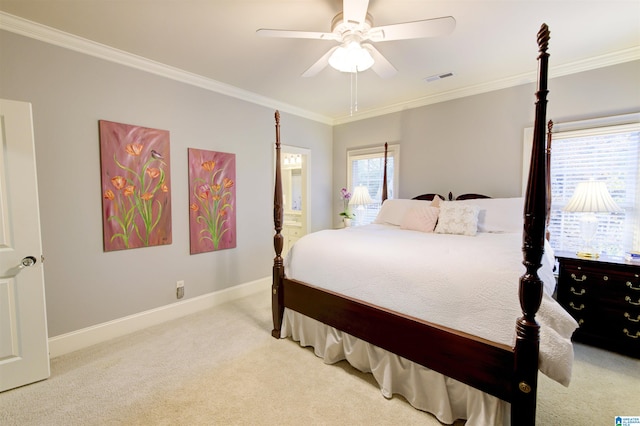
(136, 197)
(212, 200)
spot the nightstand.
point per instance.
(603, 295)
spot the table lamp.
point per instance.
(360, 197)
(589, 198)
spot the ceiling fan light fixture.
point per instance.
(352, 58)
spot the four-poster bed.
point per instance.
(502, 369)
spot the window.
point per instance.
(365, 167)
(610, 153)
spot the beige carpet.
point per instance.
(222, 367)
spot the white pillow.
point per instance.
(393, 210)
(499, 214)
(457, 218)
(421, 219)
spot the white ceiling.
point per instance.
(492, 46)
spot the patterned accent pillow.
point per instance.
(458, 218)
(421, 219)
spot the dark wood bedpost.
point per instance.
(384, 176)
(277, 302)
(523, 405)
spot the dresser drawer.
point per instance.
(577, 275)
(295, 232)
(581, 308)
(612, 318)
(618, 295)
(577, 292)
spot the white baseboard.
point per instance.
(79, 339)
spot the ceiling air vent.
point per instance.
(437, 77)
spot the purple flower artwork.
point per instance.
(136, 200)
(212, 200)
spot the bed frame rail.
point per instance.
(474, 361)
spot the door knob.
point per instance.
(15, 270)
(28, 261)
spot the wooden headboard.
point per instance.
(431, 196)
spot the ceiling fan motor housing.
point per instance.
(342, 28)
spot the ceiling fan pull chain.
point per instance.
(356, 94)
(353, 92)
(350, 93)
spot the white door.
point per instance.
(24, 350)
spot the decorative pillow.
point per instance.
(436, 201)
(457, 218)
(499, 214)
(393, 210)
(421, 219)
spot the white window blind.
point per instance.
(610, 154)
(365, 167)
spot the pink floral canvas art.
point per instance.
(212, 200)
(136, 196)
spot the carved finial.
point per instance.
(543, 38)
(384, 176)
(550, 126)
(277, 129)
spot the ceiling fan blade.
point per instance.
(355, 10)
(320, 64)
(418, 29)
(264, 32)
(381, 65)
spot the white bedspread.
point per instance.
(466, 283)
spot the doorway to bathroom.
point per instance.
(295, 191)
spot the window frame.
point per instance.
(393, 151)
(594, 127)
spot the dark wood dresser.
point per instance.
(603, 295)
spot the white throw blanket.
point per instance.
(465, 283)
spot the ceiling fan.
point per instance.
(352, 28)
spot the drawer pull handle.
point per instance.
(580, 293)
(625, 331)
(584, 277)
(581, 307)
(630, 285)
(627, 316)
(628, 299)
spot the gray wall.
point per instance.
(69, 93)
(465, 145)
(474, 144)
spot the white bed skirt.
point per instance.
(425, 389)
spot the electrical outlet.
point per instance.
(180, 289)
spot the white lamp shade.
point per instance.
(351, 58)
(591, 197)
(360, 197)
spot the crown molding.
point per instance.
(59, 38)
(622, 56)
